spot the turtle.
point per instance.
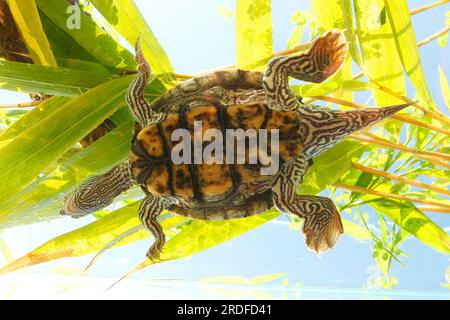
(232, 99)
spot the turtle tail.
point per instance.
(323, 128)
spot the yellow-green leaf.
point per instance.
(24, 157)
(445, 89)
(50, 80)
(379, 51)
(325, 88)
(330, 166)
(201, 235)
(410, 218)
(253, 32)
(90, 238)
(405, 40)
(27, 19)
(129, 22)
(356, 231)
(88, 35)
(329, 14)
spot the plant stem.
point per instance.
(396, 116)
(440, 117)
(400, 178)
(389, 195)
(21, 105)
(417, 153)
(428, 6)
(433, 36)
(434, 209)
(442, 156)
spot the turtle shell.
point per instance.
(211, 191)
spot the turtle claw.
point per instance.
(320, 238)
(143, 65)
(154, 255)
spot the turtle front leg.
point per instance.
(324, 58)
(322, 226)
(139, 106)
(149, 211)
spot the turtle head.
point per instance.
(89, 197)
(98, 192)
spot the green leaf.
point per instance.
(201, 235)
(253, 32)
(325, 88)
(379, 50)
(61, 43)
(299, 18)
(33, 117)
(405, 41)
(129, 22)
(51, 188)
(23, 158)
(330, 166)
(91, 37)
(356, 231)
(49, 80)
(407, 216)
(26, 17)
(90, 238)
(364, 180)
(296, 37)
(382, 16)
(445, 89)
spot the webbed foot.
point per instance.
(323, 228)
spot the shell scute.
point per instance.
(151, 141)
(158, 180)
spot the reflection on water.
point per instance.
(32, 286)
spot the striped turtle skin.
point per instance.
(232, 99)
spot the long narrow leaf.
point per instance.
(129, 22)
(407, 216)
(445, 88)
(331, 15)
(405, 40)
(90, 36)
(27, 19)
(53, 81)
(330, 166)
(90, 238)
(34, 117)
(379, 51)
(24, 157)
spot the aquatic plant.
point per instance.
(74, 57)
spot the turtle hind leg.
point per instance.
(138, 104)
(323, 225)
(149, 210)
(326, 55)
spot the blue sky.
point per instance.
(197, 38)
